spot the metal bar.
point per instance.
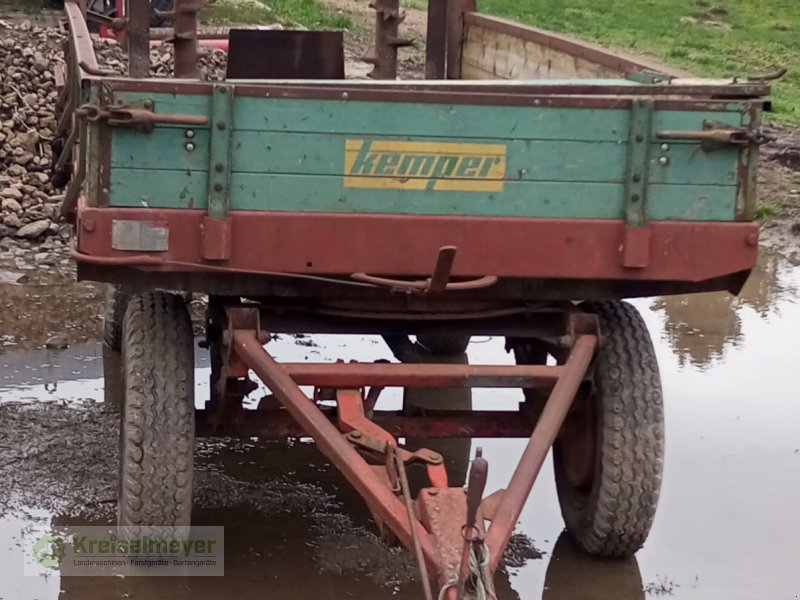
(456, 32)
(547, 428)
(406, 492)
(636, 184)
(387, 22)
(83, 50)
(137, 37)
(185, 39)
(278, 424)
(436, 40)
(385, 505)
(354, 375)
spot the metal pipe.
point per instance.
(137, 37)
(185, 39)
(544, 434)
(355, 375)
(436, 40)
(332, 444)
(406, 492)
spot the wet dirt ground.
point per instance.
(726, 528)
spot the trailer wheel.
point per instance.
(157, 429)
(116, 300)
(444, 345)
(609, 456)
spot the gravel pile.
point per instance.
(29, 204)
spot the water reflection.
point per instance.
(700, 328)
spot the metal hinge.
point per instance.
(140, 116)
(715, 135)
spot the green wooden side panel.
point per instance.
(291, 155)
(313, 193)
(323, 154)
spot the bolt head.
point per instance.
(189, 133)
(664, 147)
(220, 126)
(219, 167)
(663, 161)
(218, 187)
(433, 491)
(189, 147)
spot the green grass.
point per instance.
(711, 38)
(307, 13)
(765, 211)
(24, 6)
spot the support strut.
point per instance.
(444, 517)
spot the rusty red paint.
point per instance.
(325, 243)
(216, 238)
(381, 500)
(350, 404)
(636, 247)
(544, 434)
(436, 533)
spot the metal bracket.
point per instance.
(636, 245)
(638, 151)
(716, 135)
(219, 155)
(217, 237)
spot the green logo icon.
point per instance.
(49, 550)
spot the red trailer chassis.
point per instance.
(444, 525)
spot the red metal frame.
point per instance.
(332, 243)
(441, 513)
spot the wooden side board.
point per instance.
(495, 48)
(428, 159)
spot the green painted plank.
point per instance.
(163, 148)
(169, 189)
(323, 154)
(442, 120)
(430, 120)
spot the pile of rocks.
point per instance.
(29, 204)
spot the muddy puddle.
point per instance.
(726, 528)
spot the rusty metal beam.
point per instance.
(381, 500)
(355, 375)
(82, 48)
(555, 411)
(184, 22)
(387, 30)
(456, 12)
(436, 40)
(137, 37)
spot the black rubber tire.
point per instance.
(159, 5)
(612, 514)
(444, 345)
(116, 301)
(157, 429)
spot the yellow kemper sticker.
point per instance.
(439, 166)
